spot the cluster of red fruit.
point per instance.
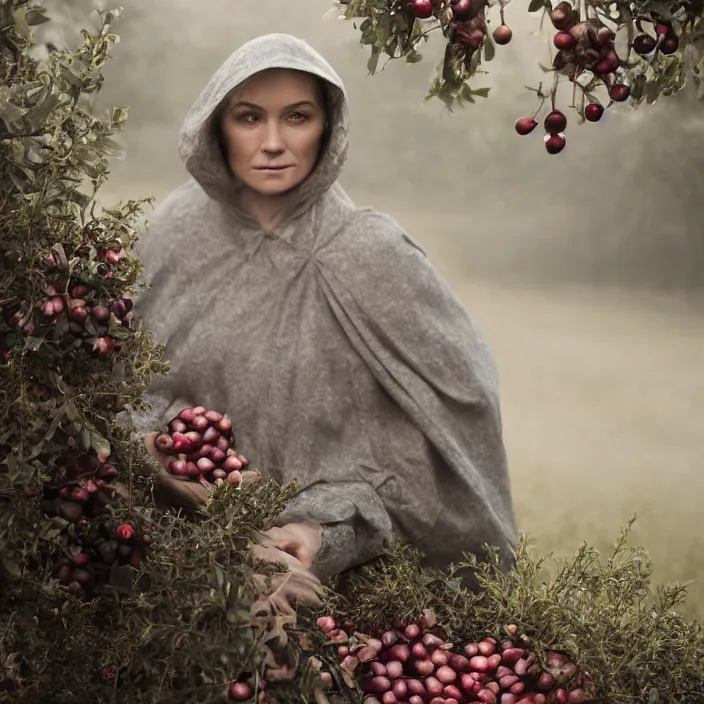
(82, 496)
(585, 46)
(201, 444)
(416, 664)
(667, 41)
(72, 313)
(468, 21)
(88, 565)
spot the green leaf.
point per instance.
(481, 92)
(489, 49)
(35, 16)
(536, 5)
(13, 570)
(373, 61)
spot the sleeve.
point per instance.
(423, 347)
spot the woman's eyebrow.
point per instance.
(299, 104)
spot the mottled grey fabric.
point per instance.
(342, 357)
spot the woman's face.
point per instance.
(272, 130)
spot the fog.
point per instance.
(584, 270)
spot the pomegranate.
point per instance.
(524, 125)
(422, 9)
(461, 9)
(555, 123)
(502, 34)
(619, 92)
(593, 112)
(555, 143)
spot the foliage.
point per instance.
(106, 598)
(392, 29)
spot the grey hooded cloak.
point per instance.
(342, 357)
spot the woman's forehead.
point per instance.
(275, 87)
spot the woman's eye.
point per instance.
(248, 119)
(298, 117)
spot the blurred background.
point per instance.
(585, 270)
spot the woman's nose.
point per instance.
(273, 141)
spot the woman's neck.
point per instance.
(266, 210)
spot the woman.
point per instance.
(320, 328)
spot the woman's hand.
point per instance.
(300, 540)
(173, 491)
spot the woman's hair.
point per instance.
(322, 88)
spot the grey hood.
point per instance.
(342, 357)
(198, 146)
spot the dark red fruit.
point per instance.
(461, 9)
(619, 92)
(669, 45)
(593, 112)
(609, 63)
(79, 291)
(604, 36)
(422, 9)
(555, 122)
(78, 315)
(563, 41)
(643, 44)
(563, 16)
(502, 34)
(662, 30)
(240, 691)
(555, 143)
(525, 125)
(100, 313)
(104, 346)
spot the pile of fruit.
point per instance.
(201, 446)
(416, 663)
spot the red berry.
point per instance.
(604, 36)
(104, 346)
(525, 125)
(422, 9)
(669, 45)
(502, 34)
(555, 122)
(108, 673)
(643, 44)
(555, 143)
(563, 41)
(563, 16)
(125, 531)
(461, 9)
(619, 92)
(240, 691)
(593, 112)
(662, 30)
